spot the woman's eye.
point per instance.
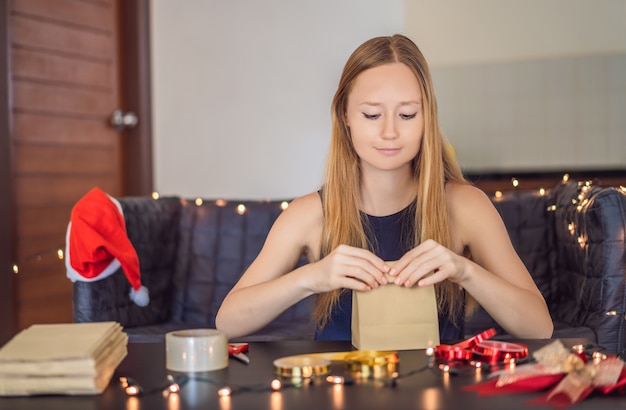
(371, 116)
(407, 116)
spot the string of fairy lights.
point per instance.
(174, 384)
(384, 377)
(581, 201)
(15, 267)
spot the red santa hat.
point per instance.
(97, 244)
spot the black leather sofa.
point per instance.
(571, 238)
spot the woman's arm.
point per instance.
(495, 277)
(271, 285)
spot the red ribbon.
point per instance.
(493, 352)
(483, 350)
(447, 352)
(479, 338)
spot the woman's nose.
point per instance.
(390, 130)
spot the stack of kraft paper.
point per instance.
(72, 359)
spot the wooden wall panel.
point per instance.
(33, 224)
(42, 289)
(44, 128)
(48, 310)
(55, 68)
(52, 98)
(61, 67)
(55, 159)
(65, 86)
(39, 279)
(32, 190)
(42, 34)
(87, 14)
(7, 212)
(44, 244)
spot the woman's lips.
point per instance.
(388, 151)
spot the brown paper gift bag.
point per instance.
(393, 317)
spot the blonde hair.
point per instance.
(432, 168)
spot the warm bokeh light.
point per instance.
(173, 401)
(276, 401)
(173, 388)
(431, 399)
(132, 390)
(335, 379)
(224, 391)
(276, 384)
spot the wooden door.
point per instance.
(65, 80)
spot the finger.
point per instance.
(375, 261)
(352, 283)
(368, 262)
(417, 252)
(365, 272)
(438, 276)
(417, 269)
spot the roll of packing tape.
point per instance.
(196, 350)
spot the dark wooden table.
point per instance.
(429, 389)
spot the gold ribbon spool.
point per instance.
(301, 366)
(366, 364)
(362, 364)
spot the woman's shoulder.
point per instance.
(464, 191)
(305, 210)
(301, 224)
(309, 203)
(465, 199)
(472, 213)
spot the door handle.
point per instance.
(124, 120)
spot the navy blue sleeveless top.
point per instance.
(390, 239)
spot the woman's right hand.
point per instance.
(349, 267)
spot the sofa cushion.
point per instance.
(191, 255)
(530, 225)
(217, 242)
(152, 228)
(591, 246)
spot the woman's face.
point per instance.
(385, 116)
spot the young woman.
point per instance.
(392, 192)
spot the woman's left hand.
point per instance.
(427, 264)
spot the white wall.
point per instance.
(242, 89)
(528, 85)
(461, 32)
